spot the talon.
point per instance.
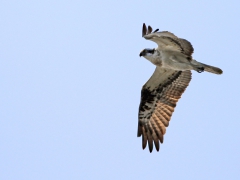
(201, 69)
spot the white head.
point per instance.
(149, 54)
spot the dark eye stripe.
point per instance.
(151, 51)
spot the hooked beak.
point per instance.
(142, 53)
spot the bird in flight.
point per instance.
(159, 95)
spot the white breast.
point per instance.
(154, 58)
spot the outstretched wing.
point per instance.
(167, 41)
(159, 97)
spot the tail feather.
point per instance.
(208, 68)
(212, 69)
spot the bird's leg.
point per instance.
(198, 66)
(199, 69)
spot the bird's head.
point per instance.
(147, 52)
(150, 54)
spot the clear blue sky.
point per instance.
(71, 77)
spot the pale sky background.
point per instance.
(71, 77)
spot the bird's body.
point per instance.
(170, 60)
(159, 96)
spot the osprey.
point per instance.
(159, 96)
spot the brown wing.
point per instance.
(159, 97)
(187, 46)
(168, 41)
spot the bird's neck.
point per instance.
(155, 59)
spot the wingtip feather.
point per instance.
(149, 30)
(144, 30)
(144, 138)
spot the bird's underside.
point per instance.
(160, 94)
